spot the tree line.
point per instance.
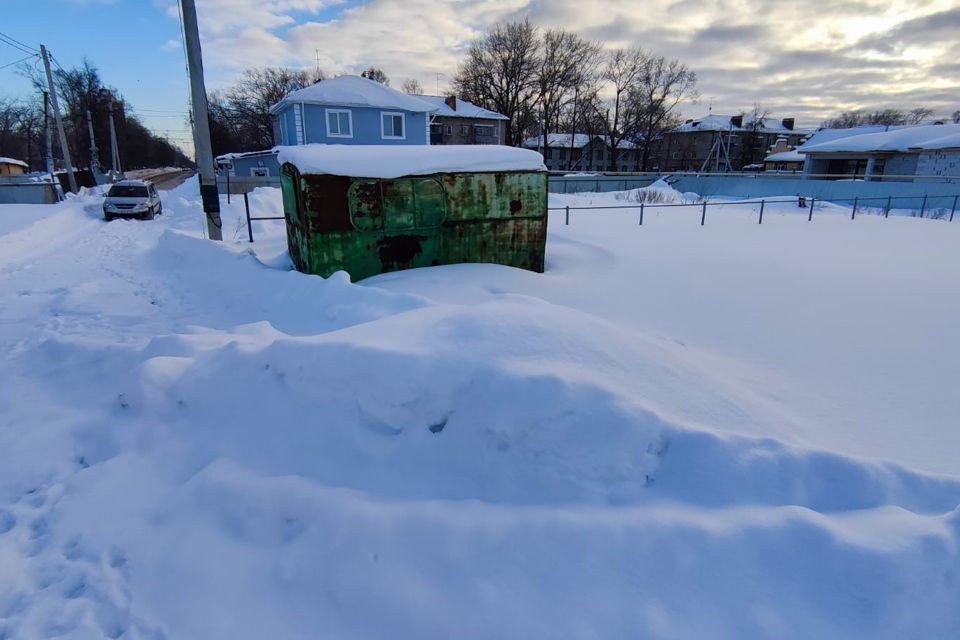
(80, 89)
(553, 80)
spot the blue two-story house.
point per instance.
(351, 110)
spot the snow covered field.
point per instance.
(734, 431)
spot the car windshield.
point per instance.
(127, 191)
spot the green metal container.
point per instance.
(366, 226)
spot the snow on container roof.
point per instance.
(377, 161)
(354, 91)
(903, 139)
(19, 163)
(464, 109)
(785, 156)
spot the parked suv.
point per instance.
(132, 198)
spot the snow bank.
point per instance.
(654, 437)
(392, 162)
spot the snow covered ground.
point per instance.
(728, 431)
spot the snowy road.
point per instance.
(675, 432)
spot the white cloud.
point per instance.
(801, 59)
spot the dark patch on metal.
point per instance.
(397, 252)
(515, 205)
(325, 201)
(437, 428)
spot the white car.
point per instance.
(132, 198)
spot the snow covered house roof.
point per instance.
(715, 122)
(376, 161)
(19, 163)
(580, 140)
(354, 91)
(899, 139)
(464, 108)
(245, 154)
(785, 156)
(562, 140)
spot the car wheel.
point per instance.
(159, 209)
(108, 217)
(148, 215)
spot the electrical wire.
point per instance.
(16, 44)
(22, 44)
(32, 55)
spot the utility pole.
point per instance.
(114, 149)
(201, 125)
(94, 156)
(56, 114)
(46, 133)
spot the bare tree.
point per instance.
(413, 87)
(656, 92)
(751, 135)
(619, 114)
(500, 73)
(244, 108)
(568, 64)
(377, 74)
(918, 115)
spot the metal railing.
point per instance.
(246, 205)
(802, 202)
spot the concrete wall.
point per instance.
(27, 192)
(939, 163)
(908, 195)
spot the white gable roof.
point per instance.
(715, 122)
(900, 139)
(378, 161)
(464, 109)
(354, 91)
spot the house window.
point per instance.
(483, 130)
(391, 125)
(259, 172)
(447, 129)
(339, 123)
(465, 129)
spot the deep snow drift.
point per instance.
(730, 431)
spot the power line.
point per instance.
(32, 55)
(17, 42)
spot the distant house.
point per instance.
(721, 143)
(251, 164)
(783, 157)
(904, 153)
(351, 110)
(457, 121)
(583, 152)
(11, 167)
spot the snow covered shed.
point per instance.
(371, 209)
(351, 110)
(11, 167)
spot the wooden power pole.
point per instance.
(56, 114)
(203, 150)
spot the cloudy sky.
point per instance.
(809, 59)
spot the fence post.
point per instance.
(954, 209)
(641, 214)
(813, 203)
(854, 214)
(228, 187)
(568, 215)
(762, 203)
(703, 217)
(246, 205)
(886, 214)
(923, 205)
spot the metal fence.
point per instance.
(886, 205)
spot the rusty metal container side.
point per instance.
(367, 226)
